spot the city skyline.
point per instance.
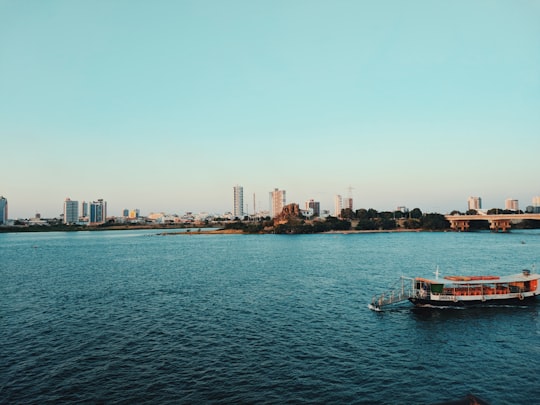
(163, 106)
(70, 211)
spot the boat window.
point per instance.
(437, 288)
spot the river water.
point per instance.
(122, 317)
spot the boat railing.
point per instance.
(480, 290)
(400, 293)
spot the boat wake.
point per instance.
(429, 306)
(470, 307)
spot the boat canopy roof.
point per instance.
(520, 277)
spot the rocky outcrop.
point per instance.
(289, 212)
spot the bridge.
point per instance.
(497, 222)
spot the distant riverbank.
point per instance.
(180, 230)
(75, 228)
(190, 232)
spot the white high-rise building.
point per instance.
(238, 209)
(474, 203)
(71, 211)
(277, 202)
(3, 210)
(338, 205)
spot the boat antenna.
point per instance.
(437, 272)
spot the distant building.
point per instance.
(535, 207)
(37, 220)
(98, 212)
(71, 211)
(402, 209)
(84, 209)
(315, 206)
(3, 210)
(308, 212)
(338, 205)
(155, 216)
(238, 207)
(474, 203)
(277, 202)
(131, 214)
(511, 204)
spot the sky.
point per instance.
(165, 106)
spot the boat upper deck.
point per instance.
(466, 280)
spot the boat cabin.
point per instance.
(474, 285)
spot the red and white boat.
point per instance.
(461, 291)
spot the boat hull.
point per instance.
(426, 302)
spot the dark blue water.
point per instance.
(132, 317)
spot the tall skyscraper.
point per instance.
(3, 210)
(277, 202)
(238, 209)
(338, 205)
(98, 212)
(71, 211)
(474, 203)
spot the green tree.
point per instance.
(336, 224)
(365, 225)
(347, 213)
(435, 222)
(494, 211)
(362, 214)
(320, 226)
(384, 223)
(372, 213)
(412, 224)
(416, 213)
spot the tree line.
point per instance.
(364, 220)
(361, 220)
(371, 219)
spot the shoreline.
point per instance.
(240, 232)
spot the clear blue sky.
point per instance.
(166, 105)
